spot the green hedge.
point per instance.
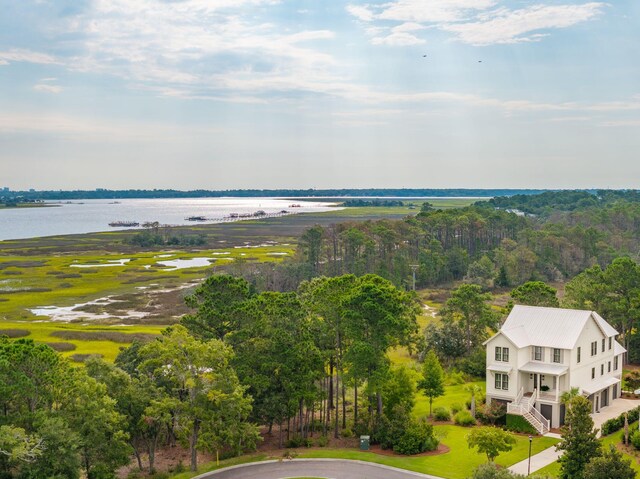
(617, 423)
(517, 423)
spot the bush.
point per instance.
(298, 441)
(634, 439)
(517, 423)
(464, 418)
(475, 364)
(480, 399)
(456, 407)
(322, 441)
(492, 413)
(455, 378)
(441, 414)
(387, 430)
(418, 437)
(617, 423)
(346, 432)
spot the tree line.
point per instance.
(103, 193)
(479, 244)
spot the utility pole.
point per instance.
(414, 268)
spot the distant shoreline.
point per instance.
(26, 205)
(408, 193)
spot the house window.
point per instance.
(579, 350)
(615, 363)
(609, 367)
(498, 353)
(593, 373)
(594, 348)
(610, 342)
(601, 369)
(556, 355)
(538, 353)
(603, 342)
(502, 381)
(505, 355)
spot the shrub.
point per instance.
(617, 423)
(634, 439)
(480, 399)
(322, 441)
(493, 413)
(475, 364)
(441, 414)
(517, 423)
(298, 441)
(464, 418)
(454, 378)
(346, 432)
(456, 407)
(418, 437)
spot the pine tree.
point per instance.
(579, 441)
(432, 382)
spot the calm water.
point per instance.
(88, 216)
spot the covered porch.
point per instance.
(549, 380)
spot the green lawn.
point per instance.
(458, 463)
(553, 469)
(453, 394)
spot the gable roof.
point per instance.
(550, 327)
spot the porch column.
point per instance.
(557, 387)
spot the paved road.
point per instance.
(326, 468)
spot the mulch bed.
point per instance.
(442, 449)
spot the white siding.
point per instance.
(514, 387)
(580, 373)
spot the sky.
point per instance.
(220, 94)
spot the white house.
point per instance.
(539, 353)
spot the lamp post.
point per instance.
(529, 466)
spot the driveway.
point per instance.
(325, 468)
(617, 407)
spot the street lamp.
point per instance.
(529, 466)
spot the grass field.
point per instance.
(458, 463)
(553, 470)
(115, 295)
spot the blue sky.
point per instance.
(275, 93)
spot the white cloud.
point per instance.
(190, 46)
(27, 56)
(475, 22)
(432, 11)
(397, 39)
(44, 87)
(361, 12)
(515, 26)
